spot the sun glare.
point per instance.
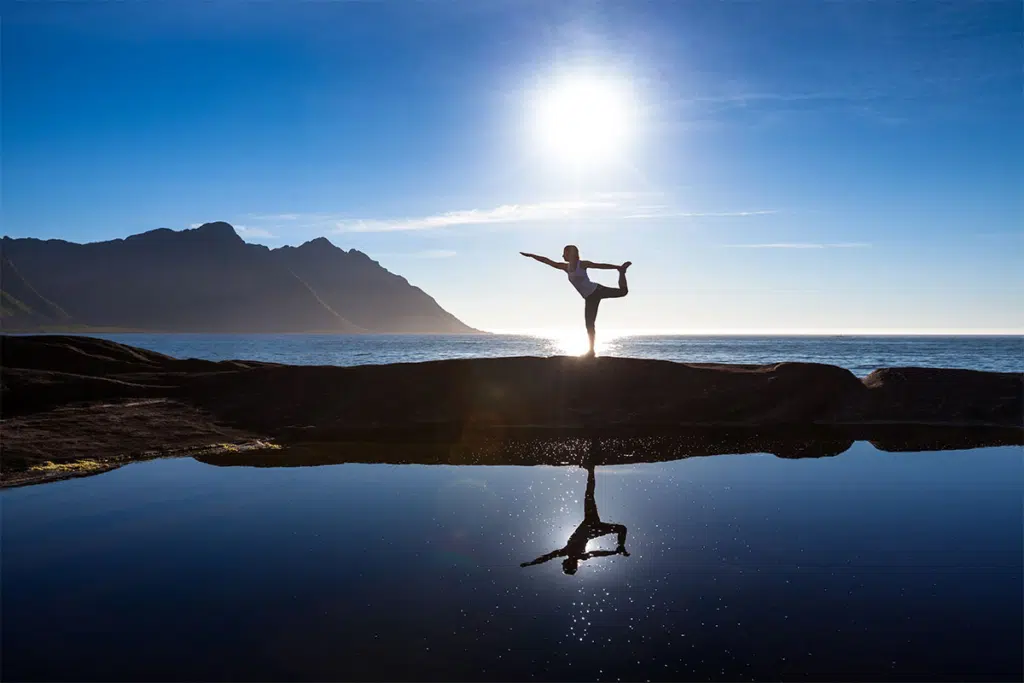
(584, 120)
(575, 343)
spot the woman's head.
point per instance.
(571, 252)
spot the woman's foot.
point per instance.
(590, 354)
(624, 266)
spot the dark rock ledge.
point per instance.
(70, 398)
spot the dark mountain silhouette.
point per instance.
(384, 301)
(21, 305)
(209, 280)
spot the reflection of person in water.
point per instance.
(575, 550)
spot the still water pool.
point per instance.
(863, 566)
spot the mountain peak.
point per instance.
(318, 243)
(218, 230)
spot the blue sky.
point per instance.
(789, 166)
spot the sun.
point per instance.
(584, 119)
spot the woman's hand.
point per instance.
(544, 259)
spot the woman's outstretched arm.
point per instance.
(544, 558)
(544, 259)
(599, 266)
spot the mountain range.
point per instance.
(208, 279)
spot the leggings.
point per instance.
(594, 300)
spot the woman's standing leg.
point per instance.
(594, 300)
(590, 317)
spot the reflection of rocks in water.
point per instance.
(824, 442)
(911, 439)
(812, 444)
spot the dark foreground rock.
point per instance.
(65, 398)
(950, 396)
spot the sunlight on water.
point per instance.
(574, 342)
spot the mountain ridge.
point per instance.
(207, 279)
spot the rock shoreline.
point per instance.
(67, 397)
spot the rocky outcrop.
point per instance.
(467, 394)
(444, 399)
(925, 395)
(462, 401)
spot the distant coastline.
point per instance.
(85, 330)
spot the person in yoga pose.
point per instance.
(575, 550)
(591, 292)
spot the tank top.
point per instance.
(580, 280)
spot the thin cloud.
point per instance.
(259, 233)
(507, 213)
(718, 109)
(628, 195)
(801, 245)
(944, 85)
(607, 206)
(277, 217)
(745, 98)
(700, 214)
(435, 253)
(425, 254)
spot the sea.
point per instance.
(866, 565)
(859, 354)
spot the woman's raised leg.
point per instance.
(623, 287)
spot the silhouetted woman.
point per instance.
(591, 292)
